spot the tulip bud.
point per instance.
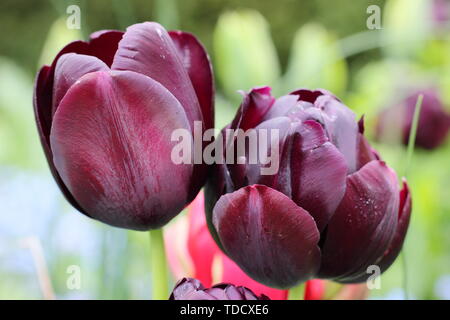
(331, 210)
(105, 111)
(395, 123)
(192, 289)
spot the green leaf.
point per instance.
(316, 61)
(406, 25)
(244, 52)
(20, 144)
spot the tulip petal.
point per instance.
(196, 61)
(318, 173)
(111, 143)
(363, 225)
(338, 121)
(281, 106)
(404, 215)
(42, 112)
(69, 69)
(312, 171)
(103, 44)
(253, 108)
(271, 238)
(147, 48)
(365, 152)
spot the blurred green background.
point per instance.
(285, 44)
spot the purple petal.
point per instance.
(111, 143)
(281, 107)
(363, 225)
(192, 289)
(147, 48)
(365, 152)
(253, 108)
(196, 61)
(337, 119)
(103, 45)
(271, 238)
(404, 215)
(69, 69)
(312, 172)
(318, 172)
(42, 112)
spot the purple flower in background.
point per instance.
(105, 111)
(192, 289)
(440, 11)
(332, 209)
(394, 123)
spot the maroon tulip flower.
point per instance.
(192, 289)
(332, 209)
(105, 111)
(394, 124)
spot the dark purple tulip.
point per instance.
(192, 289)
(105, 111)
(332, 209)
(394, 123)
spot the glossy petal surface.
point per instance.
(404, 215)
(196, 61)
(69, 69)
(42, 111)
(255, 105)
(271, 238)
(147, 48)
(111, 145)
(318, 173)
(363, 225)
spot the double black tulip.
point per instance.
(395, 122)
(192, 289)
(106, 110)
(332, 209)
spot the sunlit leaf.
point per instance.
(20, 144)
(406, 26)
(245, 56)
(316, 61)
(58, 36)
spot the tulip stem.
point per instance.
(159, 268)
(298, 292)
(413, 134)
(409, 155)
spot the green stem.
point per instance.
(159, 268)
(413, 133)
(298, 292)
(409, 155)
